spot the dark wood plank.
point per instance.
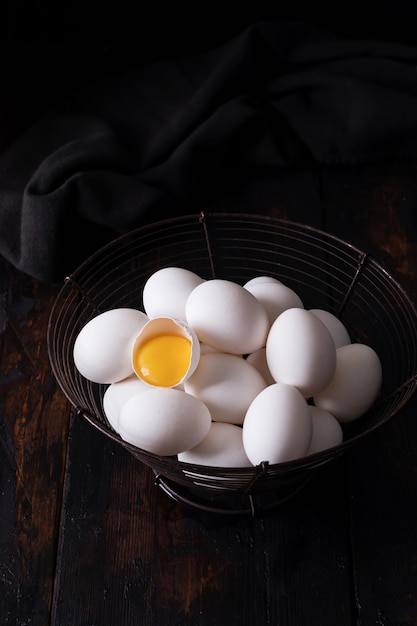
(33, 432)
(129, 554)
(374, 207)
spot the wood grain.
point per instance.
(33, 431)
(88, 538)
(377, 213)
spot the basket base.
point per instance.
(241, 504)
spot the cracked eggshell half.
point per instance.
(165, 352)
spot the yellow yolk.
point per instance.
(163, 360)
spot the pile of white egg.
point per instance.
(227, 375)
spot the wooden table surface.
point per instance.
(86, 538)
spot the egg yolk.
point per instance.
(163, 360)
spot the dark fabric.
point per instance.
(150, 143)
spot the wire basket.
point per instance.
(323, 270)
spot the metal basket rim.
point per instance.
(319, 457)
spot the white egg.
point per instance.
(327, 431)
(166, 352)
(164, 421)
(102, 349)
(166, 291)
(227, 384)
(262, 279)
(300, 351)
(205, 349)
(226, 316)
(221, 447)
(335, 327)
(258, 360)
(355, 385)
(277, 426)
(116, 395)
(275, 297)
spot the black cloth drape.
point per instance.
(151, 142)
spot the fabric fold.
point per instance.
(149, 143)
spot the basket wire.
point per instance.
(324, 270)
